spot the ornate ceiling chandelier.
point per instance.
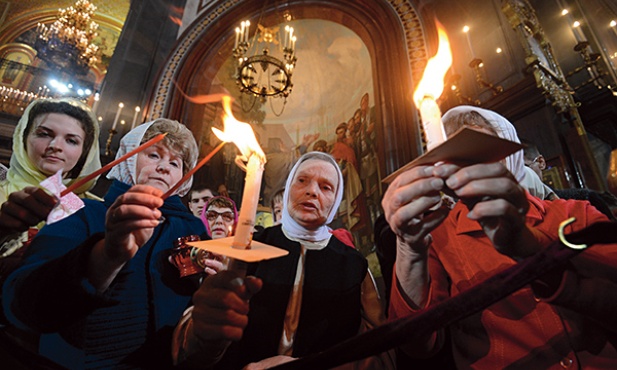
(261, 74)
(67, 45)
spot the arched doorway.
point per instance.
(392, 36)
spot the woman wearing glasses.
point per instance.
(220, 217)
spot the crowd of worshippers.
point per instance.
(111, 282)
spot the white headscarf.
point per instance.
(505, 130)
(126, 171)
(290, 226)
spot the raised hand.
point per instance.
(407, 203)
(25, 208)
(496, 201)
(222, 306)
(130, 221)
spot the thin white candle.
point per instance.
(95, 105)
(246, 31)
(137, 110)
(286, 36)
(248, 208)
(237, 37)
(466, 30)
(120, 106)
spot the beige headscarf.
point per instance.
(22, 172)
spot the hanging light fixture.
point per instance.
(265, 63)
(66, 45)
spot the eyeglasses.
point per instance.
(213, 215)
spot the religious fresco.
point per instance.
(331, 108)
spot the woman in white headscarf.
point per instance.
(495, 223)
(300, 304)
(500, 126)
(99, 281)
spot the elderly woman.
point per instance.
(495, 223)
(321, 278)
(97, 284)
(52, 135)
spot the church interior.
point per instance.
(550, 67)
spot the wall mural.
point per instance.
(331, 108)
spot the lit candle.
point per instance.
(246, 31)
(242, 26)
(466, 31)
(286, 36)
(248, 208)
(430, 88)
(237, 38)
(431, 122)
(613, 25)
(291, 35)
(578, 33)
(120, 106)
(293, 44)
(95, 105)
(137, 110)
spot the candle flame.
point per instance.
(432, 83)
(240, 133)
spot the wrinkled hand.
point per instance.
(25, 208)
(130, 221)
(222, 306)
(495, 200)
(406, 204)
(268, 362)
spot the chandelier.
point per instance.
(67, 45)
(261, 74)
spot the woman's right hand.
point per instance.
(406, 203)
(25, 208)
(130, 222)
(222, 306)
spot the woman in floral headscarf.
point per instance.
(98, 283)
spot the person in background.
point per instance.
(495, 223)
(276, 205)
(198, 197)
(220, 217)
(52, 135)
(534, 165)
(98, 285)
(287, 307)
(222, 190)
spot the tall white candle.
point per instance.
(248, 208)
(95, 105)
(237, 37)
(286, 36)
(137, 110)
(431, 121)
(120, 106)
